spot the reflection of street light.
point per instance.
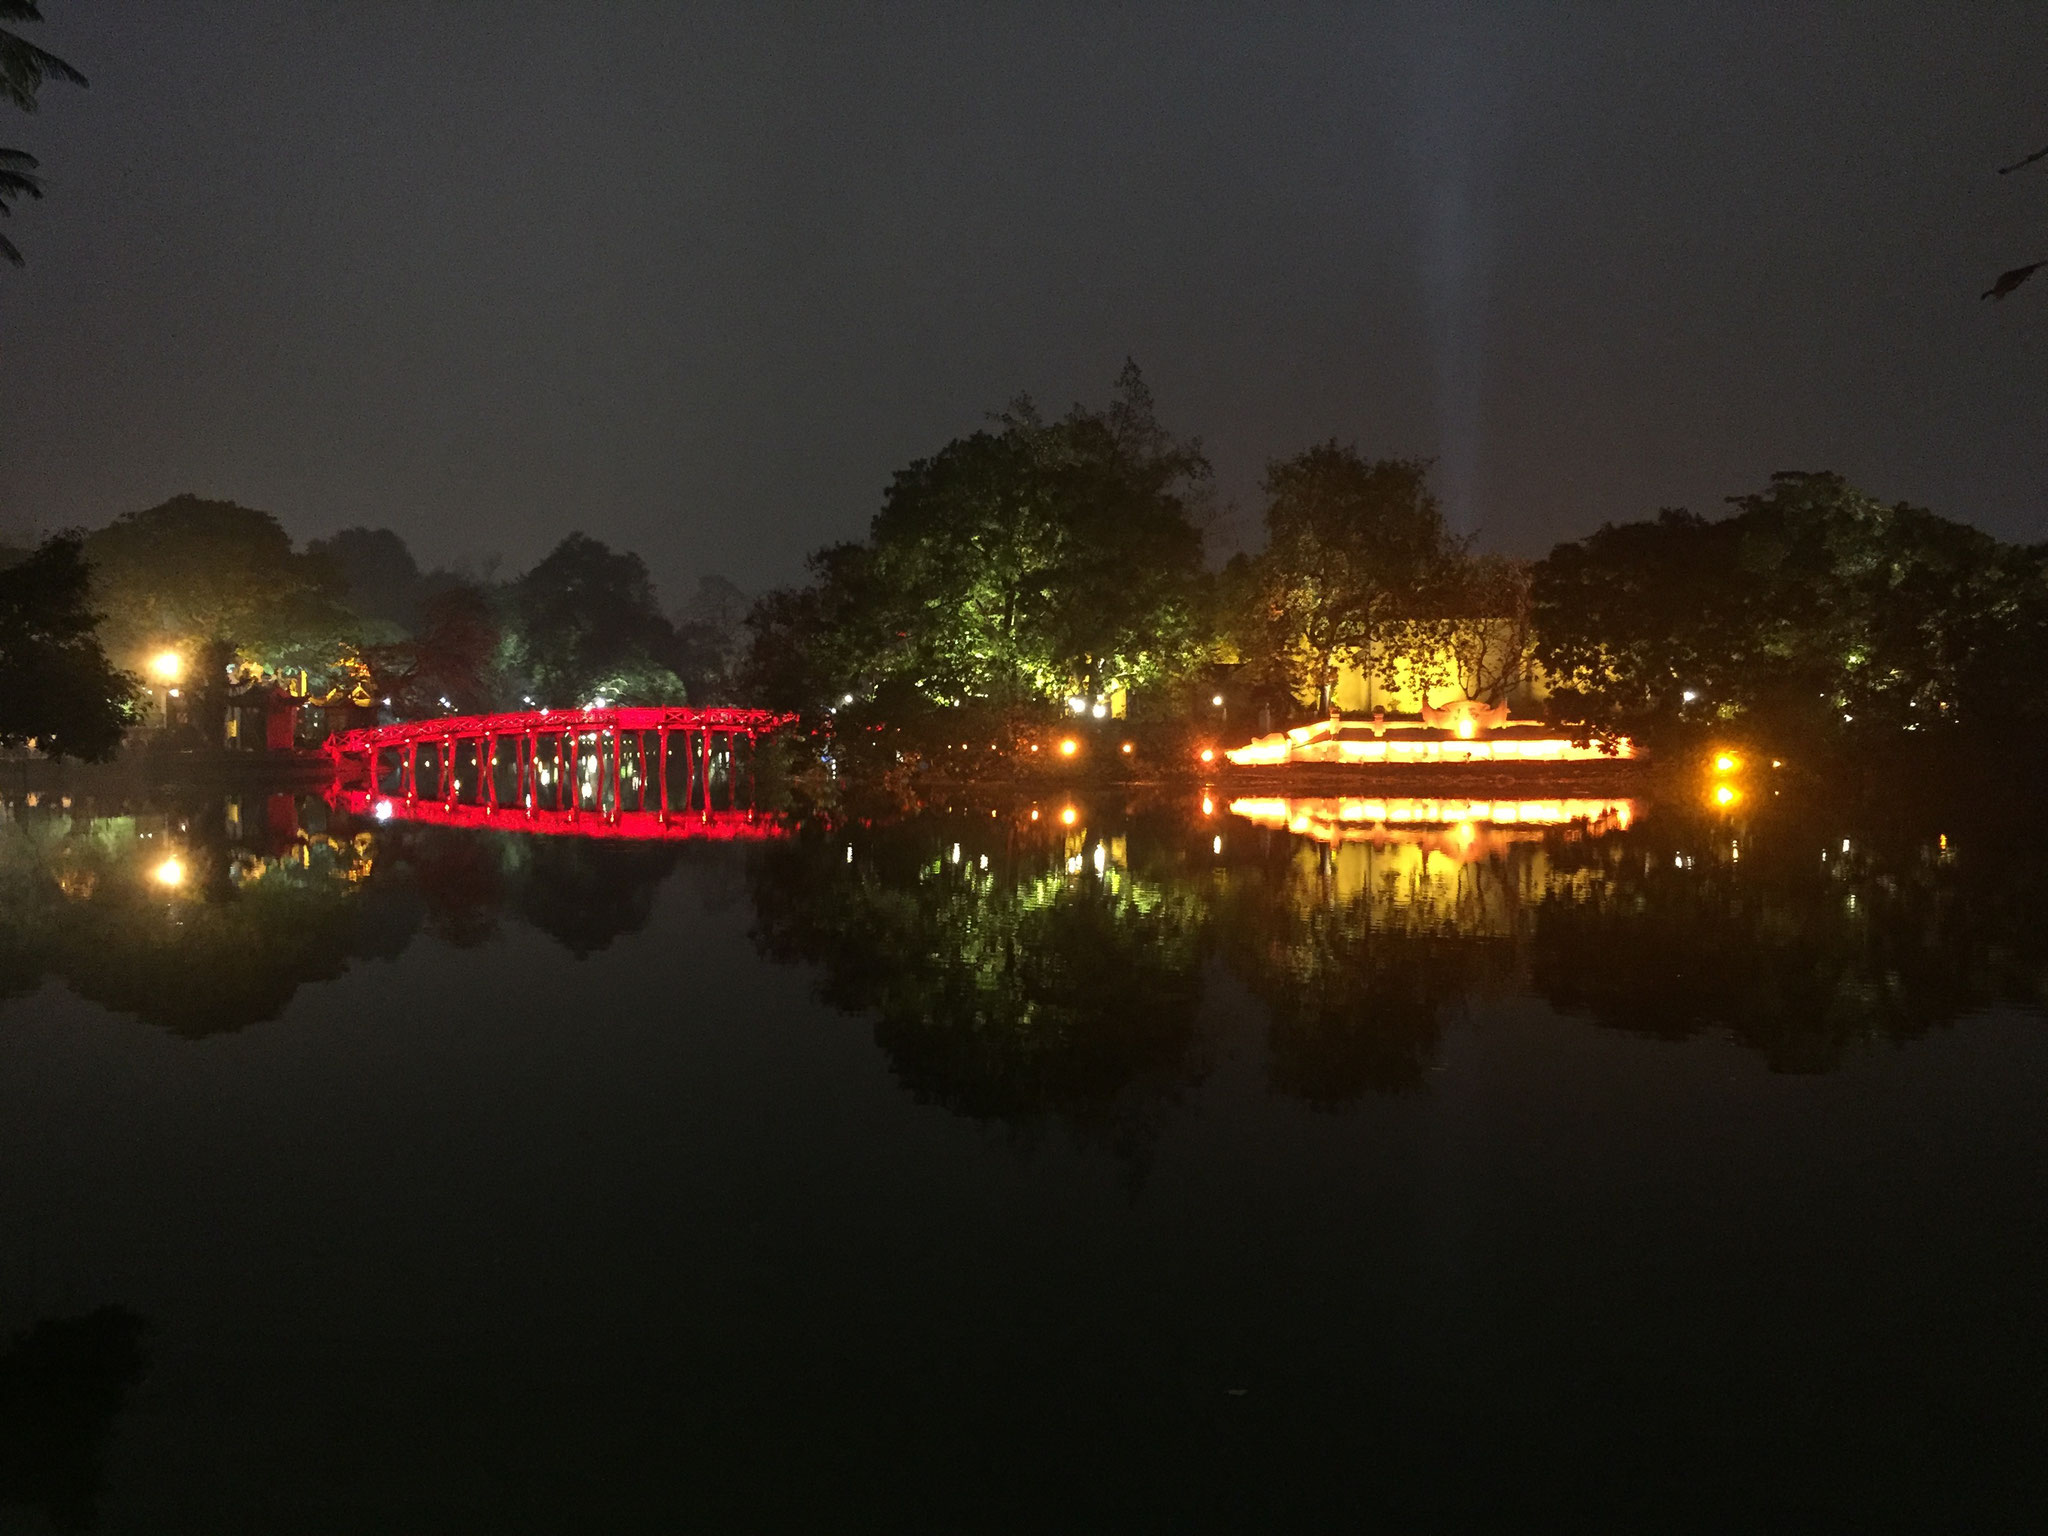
(169, 873)
(168, 666)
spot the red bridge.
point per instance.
(598, 772)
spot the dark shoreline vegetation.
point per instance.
(1042, 579)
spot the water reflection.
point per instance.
(207, 913)
(1018, 965)
(1051, 959)
(1048, 961)
(62, 1382)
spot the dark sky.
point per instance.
(696, 280)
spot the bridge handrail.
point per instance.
(612, 717)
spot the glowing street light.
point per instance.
(168, 666)
(170, 873)
(1725, 763)
(1069, 816)
(1069, 747)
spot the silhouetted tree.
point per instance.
(1814, 613)
(56, 685)
(23, 69)
(586, 625)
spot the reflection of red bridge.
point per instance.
(632, 773)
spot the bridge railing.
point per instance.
(609, 763)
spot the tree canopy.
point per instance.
(1022, 563)
(1814, 610)
(193, 571)
(586, 625)
(23, 69)
(1356, 551)
(57, 687)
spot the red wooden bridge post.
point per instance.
(661, 772)
(412, 769)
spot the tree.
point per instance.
(219, 584)
(447, 665)
(1015, 566)
(23, 69)
(586, 626)
(1487, 626)
(1356, 551)
(2008, 280)
(1814, 612)
(380, 580)
(57, 687)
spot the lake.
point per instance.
(1116, 1162)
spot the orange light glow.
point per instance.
(1034, 746)
(1208, 806)
(1726, 763)
(170, 873)
(1069, 747)
(1034, 813)
(1321, 742)
(1208, 754)
(1469, 823)
(1724, 794)
(1070, 815)
(1466, 729)
(1127, 746)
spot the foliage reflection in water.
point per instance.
(1050, 958)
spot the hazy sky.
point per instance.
(695, 280)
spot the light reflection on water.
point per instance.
(210, 914)
(1264, 1165)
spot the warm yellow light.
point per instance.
(1208, 754)
(170, 872)
(1465, 727)
(1127, 746)
(1034, 814)
(1069, 815)
(1069, 747)
(1208, 806)
(1724, 764)
(169, 666)
(1724, 794)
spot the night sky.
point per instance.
(696, 281)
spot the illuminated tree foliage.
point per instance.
(1018, 565)
(1815, 612)
(193, 571)
(1357, 553)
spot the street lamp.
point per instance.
(167, 667)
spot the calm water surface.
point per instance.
(1071, 1165)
